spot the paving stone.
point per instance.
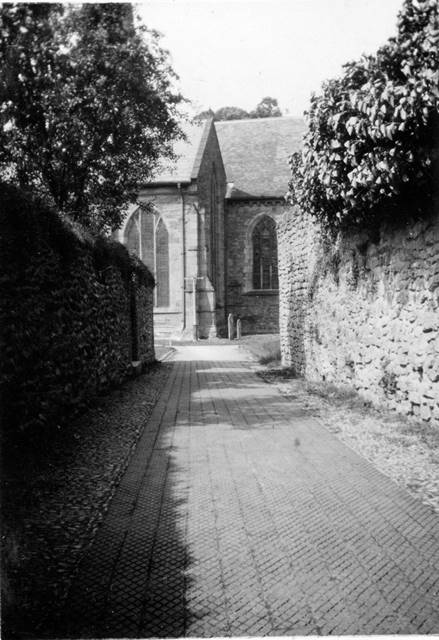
(241, 515)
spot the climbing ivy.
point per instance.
(373, 138)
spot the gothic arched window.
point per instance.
(146, 235)
(139, 236)
(265, 254)
(162, 264)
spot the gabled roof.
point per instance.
(255, 154)
(189, 153)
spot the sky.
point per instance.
(235, 52)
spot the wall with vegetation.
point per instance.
(75, 311)
(360, 270)
(364, 311)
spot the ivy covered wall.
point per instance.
(75, 311)
(359, 250)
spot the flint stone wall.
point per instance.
(75, 311)
(364, 313)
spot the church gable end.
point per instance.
(214, 223)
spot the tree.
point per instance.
(230, 113)
(205, 115)
(87, 106)
(372, 145)
(267, 108)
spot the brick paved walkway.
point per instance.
(241, 515)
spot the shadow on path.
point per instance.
(133, 579)
(240, 515)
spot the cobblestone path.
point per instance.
(241, 515)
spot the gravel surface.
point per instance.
(56, 499)
(406, 452)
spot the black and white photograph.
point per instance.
(219, 313)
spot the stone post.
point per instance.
(238, 329)
(230, 326)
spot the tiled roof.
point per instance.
(189, 153)
(255, 154)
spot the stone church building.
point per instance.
(210, 238)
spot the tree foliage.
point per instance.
(87, 106)
(267, 108)
(372, 144)
(230, 113)
(205, 115)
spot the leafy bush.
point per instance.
(373, 136)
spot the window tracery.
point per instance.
(264, 243)
(147, 236)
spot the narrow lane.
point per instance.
(240, 515)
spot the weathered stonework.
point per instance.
(75, 312)
(188, 208)
(364, 313)
(257, 309)
(211, 189)
(225, 178)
